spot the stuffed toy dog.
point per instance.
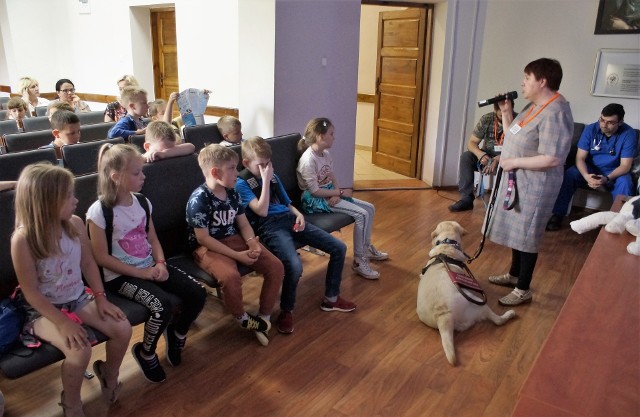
(627, 219)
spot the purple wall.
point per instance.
(306, 32)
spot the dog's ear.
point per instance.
(434, 234)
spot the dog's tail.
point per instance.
(446, 328)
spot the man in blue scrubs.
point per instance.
(605, 153)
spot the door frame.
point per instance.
(426, 79)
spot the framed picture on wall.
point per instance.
(618, 17)
(617, 73)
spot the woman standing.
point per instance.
(67, 93)
(535, 146)
(29, 88)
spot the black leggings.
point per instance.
(155, 297)
(522, 266)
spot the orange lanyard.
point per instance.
(523, 122)
(495, 132)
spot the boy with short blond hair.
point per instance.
(160, 143)
(231, 130)
(65, 128)
(134, 99)
(17, 110)
(221, 236)
(281, 226)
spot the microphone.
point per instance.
(511, 95)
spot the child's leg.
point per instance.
(362, 227)
(119, 334)
(225, 270)
(279, 241)
(154, 298)
(192, 294)
(371, 211)
(273, 271)
(74, 364)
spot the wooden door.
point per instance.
(399, 90)
(165, 53)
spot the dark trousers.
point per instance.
(154, 295)
(522, 266)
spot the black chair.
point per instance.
(86, 191)
(11, 164)
(7, 274)
(3, 101)
(8, 127)
(18, 142)
(95, 131)
(202, 135)
(138, 141)
(4, 114)
(82, 158)
(41, 111)
(33, 124)
(91, 118)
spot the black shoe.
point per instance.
(174, 346)
(555, 223)
(256, 323)
(461, 205)
(151, 368)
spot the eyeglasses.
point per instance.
(68, 91)
(608, 122)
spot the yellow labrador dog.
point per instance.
(440, 304)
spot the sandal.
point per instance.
(110, 394)
(68, 411)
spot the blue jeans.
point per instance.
(276, 233)
(573, 179)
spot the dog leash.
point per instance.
(487, 218)
(511, 197)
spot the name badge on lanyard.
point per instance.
(497, 148)
(515, 128)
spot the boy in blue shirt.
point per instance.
(134, 99)
(280, 226)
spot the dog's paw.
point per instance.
(509, 314)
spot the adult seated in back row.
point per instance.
(67, 93)
(484, 159)
(605, 154)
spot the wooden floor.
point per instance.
(378, 361)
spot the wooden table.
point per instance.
(590, 363)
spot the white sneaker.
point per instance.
(375, 255)
(262, 337)
(362, 268)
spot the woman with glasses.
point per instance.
(67, 93)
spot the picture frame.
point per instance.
(617, 17)
(617, 73)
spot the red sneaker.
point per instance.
(339, 305)
(284, 323)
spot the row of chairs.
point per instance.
(80, 158)
(18, 142)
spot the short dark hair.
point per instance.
(613, 109)
(62, 81)
(61, 118)
(546, 68)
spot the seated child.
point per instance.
(160, 143)
(231, 130)
(54, 106)
(65, 128)
(51, 255)
(130, 253)
(221, 236)
(321, 193)
(280, 226)
(18, 110)
(134, 99)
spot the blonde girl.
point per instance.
(29, 88)
(133, 263)
(321, 193)
(51, 253)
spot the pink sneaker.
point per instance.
(339, 305)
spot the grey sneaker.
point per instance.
(375, 255)
(506, 280)
(362, 268)
(516, 297)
